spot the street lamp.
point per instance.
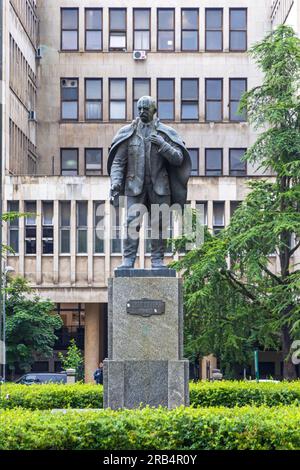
(7, 269)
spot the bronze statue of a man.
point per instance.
(149, 164)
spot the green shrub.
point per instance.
(203, 394)
(259, 428)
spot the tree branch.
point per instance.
(292, 251)
(243, 288)
(272, 275)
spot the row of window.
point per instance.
(165, 29)
(22, 150)
(213, 162)
(214, 98)
(27, 15)
(82, 227)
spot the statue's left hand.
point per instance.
(157, 139)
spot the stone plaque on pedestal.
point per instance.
(145, 364)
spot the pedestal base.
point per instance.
(131, 384)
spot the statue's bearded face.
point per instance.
(146, 108)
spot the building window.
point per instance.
(141, 87)
(47, 228)
(189, 99)
(116, 232)
(214, 99)
(237, 87)
(213, 162)
(141, 28)
(93, 29)
(166, 98)
(218, 217)
(30, 228)
(69, 99)
(69, 162)
(194, 153)
(214, 29)
(201, 207)
(69, 29)
(93, 99)
(237, 167)
(117, 98)
(234, 205)
(13, 227)
(238, 29)
(189, 29)
(165, 29)
(99, 227)
(81, 219)
(93, 161)
(117, 28)
(65, 226)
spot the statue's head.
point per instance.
(146, 108)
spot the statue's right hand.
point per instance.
(114, 192)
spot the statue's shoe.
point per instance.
(158, 264)
(128, 263)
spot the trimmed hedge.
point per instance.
(250, 428)
(204, 394)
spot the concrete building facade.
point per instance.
(73, 76)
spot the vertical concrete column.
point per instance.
(107, 240)
(55, 241)
(201, 158)
(225, 161)
(38, 263)
(227, 213)
(22, 239)
(226, 29)
(105, 29)
(105, 86)
(153, 35)
(81, 29)
(91, 340)
(225, 98)
(202, 29)
(129, 29)
(210, 213)
(177, 99)
(73, 242)
(141, 250)
(177, 45)
(202, 100)
(90, 244)
(129, 95)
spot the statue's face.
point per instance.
(146, 108)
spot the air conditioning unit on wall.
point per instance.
(139, 55)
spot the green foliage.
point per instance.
(260, 428)
(202, 394)
(30, 324)
(73, 359)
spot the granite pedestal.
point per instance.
(145, 364)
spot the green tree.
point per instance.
(235, 299)
(73, 359)
(30, 325)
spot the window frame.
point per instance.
(158, 30)
(95, 206)
(244, 172)
(238, 30)
(93, 100)
(62, 30)
(110, 100)
(44, 226)
(210, 100)
(213, 30)
(133, 99)
(64, 228)
(13, 228)
(117, 49)
(184, 101)
(77, 159)
(174, 98)
(86, 30)
(232, 79)
(222, 162)
(183, 29)
(198, 163)
(62, 101)
(81, 228)
(26, 225)
(134, 30)
(101, 161)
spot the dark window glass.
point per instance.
(93, 29)
(117, 98)
(165, 102)
(218, 217)
(116, 241)
(99, 227)
(13, 226)
(214, 99)
(69, 98)
(237, 88)
(165, 29)
(238, 29)
(47, 227)
(237, 167)
(69, 162)
(65, 226)
(189, 99)
(141, 87)
(93, 161)
(189, 29)
(213, 162)
(93, 99)
(69, 29)
(117, 28)
(141, 32)
(82, 227)
(214, 29)
(194, 153)
(30, 228)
